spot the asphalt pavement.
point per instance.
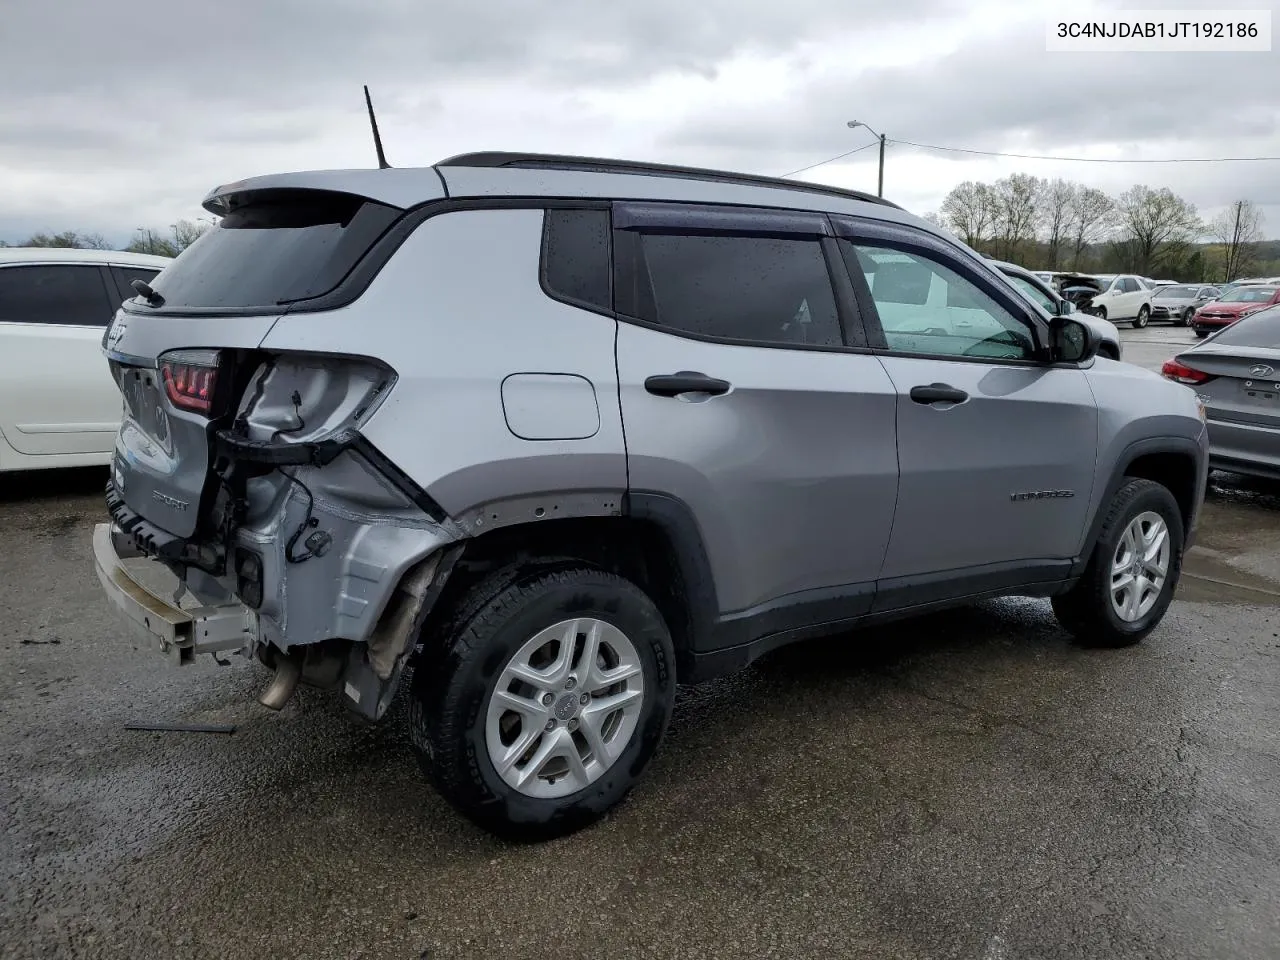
(967, 786)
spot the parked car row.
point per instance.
(59, 405)
(1041, 292)
(1204, 307)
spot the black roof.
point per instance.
(549, 161)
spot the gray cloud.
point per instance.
(126, 113)
(1006, 92)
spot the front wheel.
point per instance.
(543, 709)
(1132, 573)
(1201, 334)
(1144, 314)
(1185, 319)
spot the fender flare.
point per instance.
(1180, 446)
(678, 523)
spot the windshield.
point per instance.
(1261, 329)
(1249, 295)
(1172, 293)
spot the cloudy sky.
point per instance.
(123, 114)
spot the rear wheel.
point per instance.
(542, 710)
(1132, 573)
(1144, 314)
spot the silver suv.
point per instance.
(555, 433)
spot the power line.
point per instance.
(823, 163)
(1029, 156)
(1035, 156)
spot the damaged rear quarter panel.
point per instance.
(455, 312)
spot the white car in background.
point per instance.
(1122, 297)
(59, 406)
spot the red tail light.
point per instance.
(190, 377)
(1183, 374)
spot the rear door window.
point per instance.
(773, 291)
(63, 294)
(277, 248)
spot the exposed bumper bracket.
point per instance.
(179, 633)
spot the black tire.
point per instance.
(1184, 319)
(1201, 334)
(1086, 610)
(1144, 315)
(454, 679)
(1099, 312)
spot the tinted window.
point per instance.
(1175, 293)
(1128, 285)
(761, 289)
(55, 293)
(125, 276)
(926, 307)
(1261, 329)
(291, 245)
(575, 257)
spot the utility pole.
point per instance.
(881, 137)
(880, 185)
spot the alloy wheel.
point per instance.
(1140, 566)
(564, 708)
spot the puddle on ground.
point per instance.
(1208, 579)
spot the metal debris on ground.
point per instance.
(183, 727)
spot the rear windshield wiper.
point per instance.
(147, 292)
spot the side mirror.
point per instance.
(1071, 341)
(1065, 307)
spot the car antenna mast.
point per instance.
(373, 122)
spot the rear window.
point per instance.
(278, 248)
(1261, 329)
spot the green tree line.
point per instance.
(1062, 225)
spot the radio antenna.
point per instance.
(373, 122)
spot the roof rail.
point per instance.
(549, 161)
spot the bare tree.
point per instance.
(1239, 228)
(1056, 202)
(968, 211)
(1090, 218)
(186, 232)
(1017, 212)
(69, 239)
(1157, 226)
(148, 241)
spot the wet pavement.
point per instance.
(969, 785)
